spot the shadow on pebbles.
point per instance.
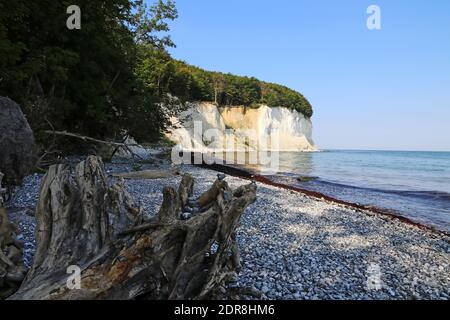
(297, 247)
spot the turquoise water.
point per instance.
(413, 184)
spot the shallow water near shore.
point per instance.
(412, 184)
(294, 246)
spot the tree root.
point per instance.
(83, 221)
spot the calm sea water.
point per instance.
(413, 184)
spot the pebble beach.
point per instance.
(297, 247)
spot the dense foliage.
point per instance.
(162, 74)
(82, 80)
(111, 75)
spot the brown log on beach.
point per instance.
(146, 174)
(84, 221)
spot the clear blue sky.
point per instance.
(387, 89)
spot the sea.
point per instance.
(412, 184)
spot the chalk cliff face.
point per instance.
(205, 127)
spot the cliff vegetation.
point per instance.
(163, 74)
(110, 76)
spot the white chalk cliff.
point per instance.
(206, 127)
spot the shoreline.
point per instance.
(292, 244)
(295, 246)
(248, 175)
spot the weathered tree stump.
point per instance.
(83, 221)
(12, 269)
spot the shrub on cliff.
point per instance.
(162, 74)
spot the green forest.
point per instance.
(163, 74)
(111, 75)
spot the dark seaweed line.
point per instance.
(244, 174)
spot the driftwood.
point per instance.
(186, 252)
(147, 174)
(12, 269)
(126, 147)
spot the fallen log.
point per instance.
(125, 147)
(146, 174)
(84, 222)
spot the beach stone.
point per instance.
(17, 146)
(321, 258)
